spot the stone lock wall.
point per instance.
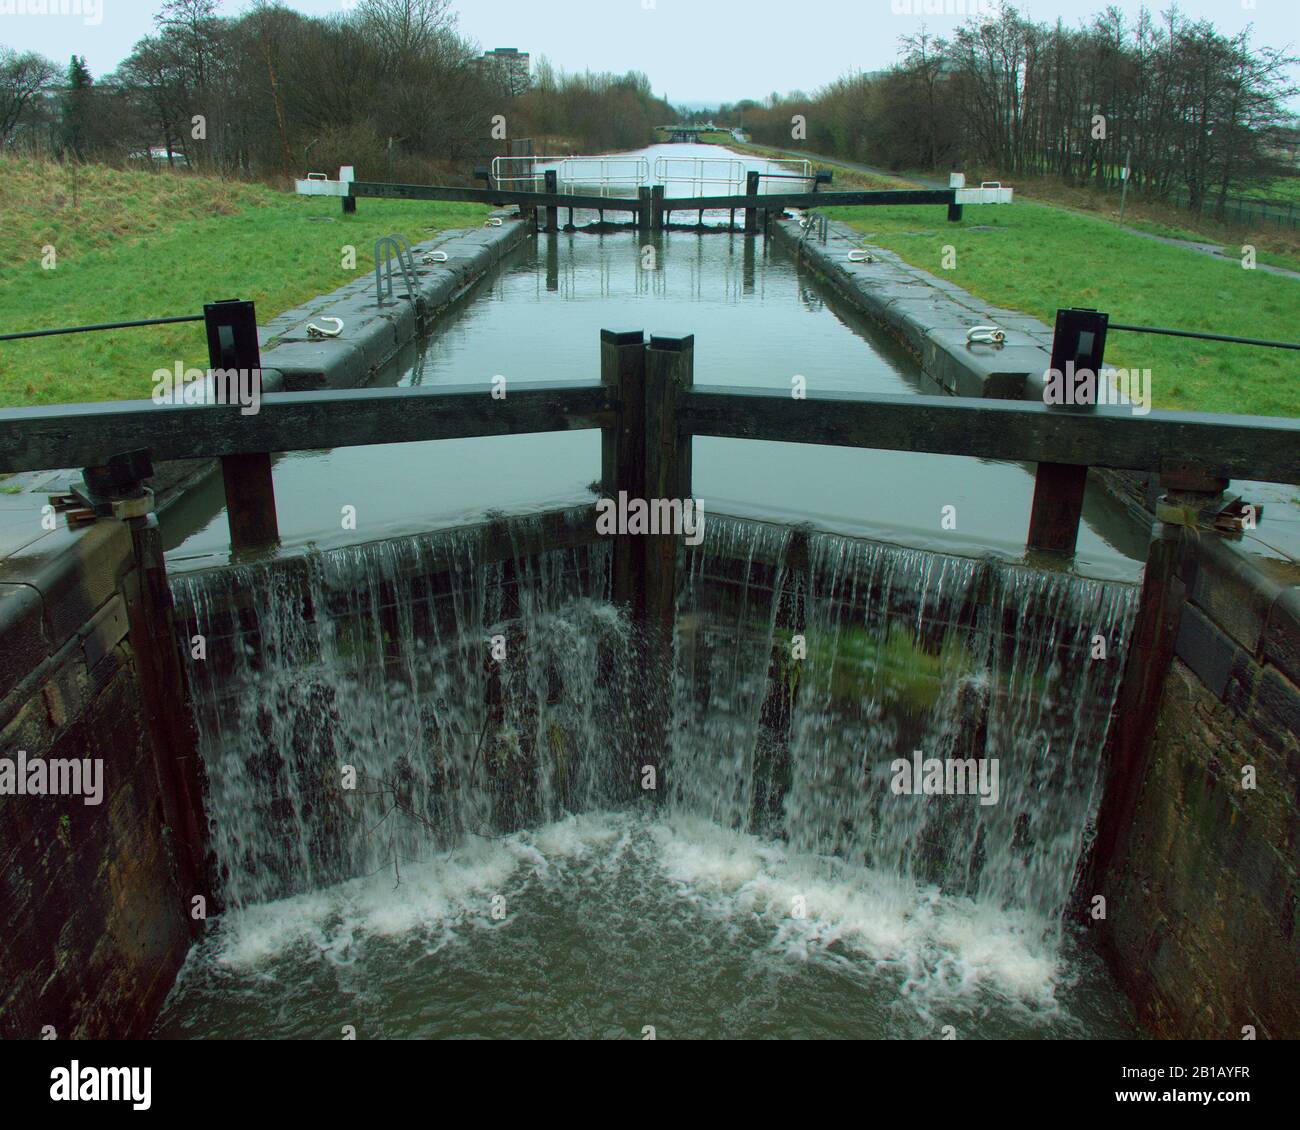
(1202, 923)
(92, 899)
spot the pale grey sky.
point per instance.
(693, 50)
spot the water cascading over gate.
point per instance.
(464, 694)
(474, 694)
(808, 667)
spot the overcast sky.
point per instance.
(693, 50)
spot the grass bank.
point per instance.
(133, 245)
(1036, 256)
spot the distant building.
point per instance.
(511, 65)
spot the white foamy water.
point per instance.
(599, 924)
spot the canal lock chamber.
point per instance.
(425, 752)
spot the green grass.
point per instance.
(1036, 258)
(1282, 188)
(143, 245)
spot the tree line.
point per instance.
(1191, 112)
(390, 87)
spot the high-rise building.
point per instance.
(512, 65)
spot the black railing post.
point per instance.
(250, 489)
(657, 207)
(1079, 342)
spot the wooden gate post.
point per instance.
(250, 489)
(669, 373)
(165, 703)
(751, 213)
(657, 207)
(552, 210)
(1151, 651)
(1079, 342)
(644, 208)
(622, 457)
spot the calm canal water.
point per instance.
(757, 320)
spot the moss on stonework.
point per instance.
(861, 660)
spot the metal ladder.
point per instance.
(392, 247)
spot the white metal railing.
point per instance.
(609, 176)
(787, 167)
(510, 171)
(602, 175)
(989, 192)
(701, 173)
(599, 175)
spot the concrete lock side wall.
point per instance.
(93, 910)
(929, 315)
(1201, 926)
(374, 333)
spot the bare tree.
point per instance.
(22, 78)
(404, 30)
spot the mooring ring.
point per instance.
(315, 332)
(985, 335)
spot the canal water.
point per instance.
(757, 319)
(495, 868)
(497, 873)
